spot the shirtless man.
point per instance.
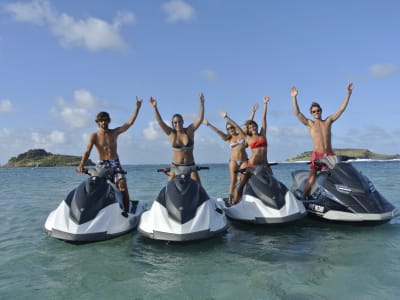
(320, 131)
(105, 141)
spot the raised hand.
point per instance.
(350, 88)
(294, 91)
(139, 101)
(153, 101)
(201, 96)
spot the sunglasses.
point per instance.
(316, 111)
(102, 120)
(230, 128)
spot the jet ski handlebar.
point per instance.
(167, 170)
(103, 172)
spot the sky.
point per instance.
(61, 62)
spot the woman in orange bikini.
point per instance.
(257, 142)
(237, 142)
(181, 139)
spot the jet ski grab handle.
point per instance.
(167, 170)
(243, 170)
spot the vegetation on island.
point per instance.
(353, 153)
(41, 158)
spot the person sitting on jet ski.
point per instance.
(237, 141)
(105, 141)
(320, 132)
(257, 142)
(181, 139)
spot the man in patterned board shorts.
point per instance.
(105, 141)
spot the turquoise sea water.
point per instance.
(305, 260)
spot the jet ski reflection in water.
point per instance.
(265, 200)
(183, 211)
(343, 194)
(93, 211)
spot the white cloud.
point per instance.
(76, 114)
(37, 12)
(5, 106)
(91, 33)
(47, 140)
(152, 132)
(4, 135)
(382, 70)
(178, 10)
(84, 98)
(56, 137)
(37, 138)
(209, 75)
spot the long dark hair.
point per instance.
(248, 123)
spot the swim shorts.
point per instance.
(318, 166)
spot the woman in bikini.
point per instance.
(257, 141)
(238, 157)
(181, 139)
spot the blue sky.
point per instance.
(64, 61)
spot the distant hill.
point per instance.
(354, 153)
(41, 158)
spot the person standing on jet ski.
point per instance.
(257, 141)
(320, 132)
(181, 139)
(237, 142)
(105, 141)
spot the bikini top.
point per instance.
(239, 142)
(188, 146)
(261, 142)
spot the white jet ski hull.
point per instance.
(252, 210)
(208, 222)
(107, 224)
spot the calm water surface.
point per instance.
(305, 260)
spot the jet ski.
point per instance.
(341, 193)
(265, 200)
(183, 211)
(93, 211)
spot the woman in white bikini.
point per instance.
(257, 141)
(181, 139)
(238, 157)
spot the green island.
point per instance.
(353, 153)
(41, 158)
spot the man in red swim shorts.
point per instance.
(316, 155)
(320, 131)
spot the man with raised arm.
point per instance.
(105, 141)
(320, 132)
